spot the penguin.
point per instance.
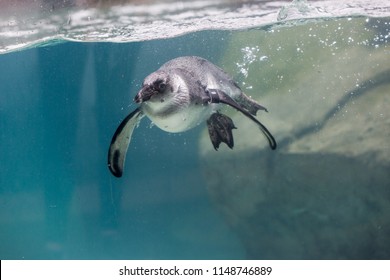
(183, 93)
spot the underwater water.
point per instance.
(322, 194)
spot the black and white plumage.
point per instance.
(183, 93)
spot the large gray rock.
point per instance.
(325, 192)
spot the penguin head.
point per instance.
(156, 87)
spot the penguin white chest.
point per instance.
(178, 119)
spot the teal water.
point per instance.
(60, 106)
(324, 193)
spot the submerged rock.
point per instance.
(324, 193)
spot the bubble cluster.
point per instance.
(249, 56)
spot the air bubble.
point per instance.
(264, 58)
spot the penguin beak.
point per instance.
(144, 94)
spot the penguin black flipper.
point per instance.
(120, 142)
(220, 130)
(218, 96)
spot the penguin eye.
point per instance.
(162, 86)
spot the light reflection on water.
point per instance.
(24, 24)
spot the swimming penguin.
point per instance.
(183, 93)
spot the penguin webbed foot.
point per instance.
(218, 96)
(220, 130)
